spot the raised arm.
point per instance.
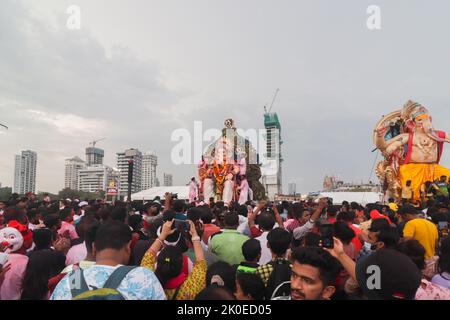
(390, 145)
(278, 217)
(199, 255)
(168, 201)
(347, 262)
(149, 259)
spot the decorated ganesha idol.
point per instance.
(411, 147)
(225, 161)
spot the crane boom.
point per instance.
(273, 100)
(93, 143)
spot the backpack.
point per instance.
(279, 279)
(109, 290)
(53, 282)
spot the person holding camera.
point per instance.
(170, 269)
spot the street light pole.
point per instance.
(130, 178)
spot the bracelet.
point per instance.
(197, 238)
(160, 242)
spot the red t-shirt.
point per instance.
(255, 231)
(331, 219)
(356, 241)
(208, 230)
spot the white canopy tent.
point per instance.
(152, 193)
(362, 198)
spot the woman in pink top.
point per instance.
(67, 227)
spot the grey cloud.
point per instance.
(336, 77)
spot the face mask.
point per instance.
(374, 246)
(367, 246)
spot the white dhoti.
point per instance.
(228, 191)
(208, 190)
(243, 195)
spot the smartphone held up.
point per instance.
(326, 235)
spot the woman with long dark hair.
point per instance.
(42, 265)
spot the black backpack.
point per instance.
(279, 279)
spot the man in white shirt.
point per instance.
(266, 223)
(305, 228)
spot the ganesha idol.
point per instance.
(411, 147)
(228, 168)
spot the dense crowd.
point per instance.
(171, 249)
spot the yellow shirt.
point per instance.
(423, 231)
(407, 192)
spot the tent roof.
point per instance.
(152, 193)
(362, 198)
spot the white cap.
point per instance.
(83, 203)
(68, 200)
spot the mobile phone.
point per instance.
(181, 225)
(326, 235)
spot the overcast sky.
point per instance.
(139, 69)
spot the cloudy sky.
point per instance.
(139, 69)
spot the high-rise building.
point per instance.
(94, 178)
(157, 184)
(94, 156)
(271, 160)
(292, 188)
(149, 163)
(122, 165)
(25, 172)
(73, 166)
(168, 180)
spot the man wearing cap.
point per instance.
(419, 229)
(82, 205)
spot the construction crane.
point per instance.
(93, 143)
(273, 101)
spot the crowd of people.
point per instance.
(168, 249)
(430, 192)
